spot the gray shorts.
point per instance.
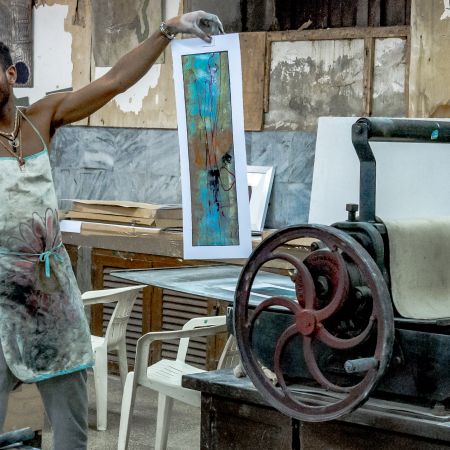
(65, 402)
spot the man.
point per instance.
(44, 336)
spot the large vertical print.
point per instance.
(211, 153)
(208, 87)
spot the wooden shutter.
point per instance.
(177, 310)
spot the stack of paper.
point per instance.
(126, 213)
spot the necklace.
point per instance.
(12, 135)
(16, 151)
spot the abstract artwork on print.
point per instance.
(207, 94)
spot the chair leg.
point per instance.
(101, 387)
(126, 412)
(165, 405)
(123, 362)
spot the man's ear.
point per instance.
(11, 75)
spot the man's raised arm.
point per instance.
(74, 106)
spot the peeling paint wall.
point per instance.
(117, 29)
(389, 78)
(132, 100)
(430, 57)
(16, 32)
(52, 53)
(309, 79)
(62, 40)
(120, 26)
(62, 57)
(148, 104)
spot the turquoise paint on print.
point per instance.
(203, 67)
(212, 222)
(211, 151)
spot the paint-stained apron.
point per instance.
(43, 327)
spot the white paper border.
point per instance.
(226, 43)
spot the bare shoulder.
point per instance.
(42, 113)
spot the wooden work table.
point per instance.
(168, 244)
(235, 416)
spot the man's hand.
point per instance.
(199, 23)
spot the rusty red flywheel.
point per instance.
(309, 319)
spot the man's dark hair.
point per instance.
(5, 56)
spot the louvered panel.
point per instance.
(177, 309)
(134, 328)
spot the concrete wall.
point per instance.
(143, 165)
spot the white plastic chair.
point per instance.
(114, 340)
(165, 376)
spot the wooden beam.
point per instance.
(267, 74)
(338, 33)
(369, 51)
(253, 49)
(407, 71)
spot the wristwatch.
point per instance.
(165, 31)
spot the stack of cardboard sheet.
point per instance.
(125, 213)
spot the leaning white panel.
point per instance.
(412, 178)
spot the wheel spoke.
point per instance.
(308, 288)
(276, 301)
(314, 369)
(342, 344)
(286, 336)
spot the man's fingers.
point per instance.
(200, 33)
(214, 22)
(210, 17)
(218, 23)
(200, 24)
(220, 26)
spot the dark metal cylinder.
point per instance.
(360, 365)
(403, 130)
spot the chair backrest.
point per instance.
(117, 326)
(230, 357)
(197, 322)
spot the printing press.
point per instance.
(339, 337)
